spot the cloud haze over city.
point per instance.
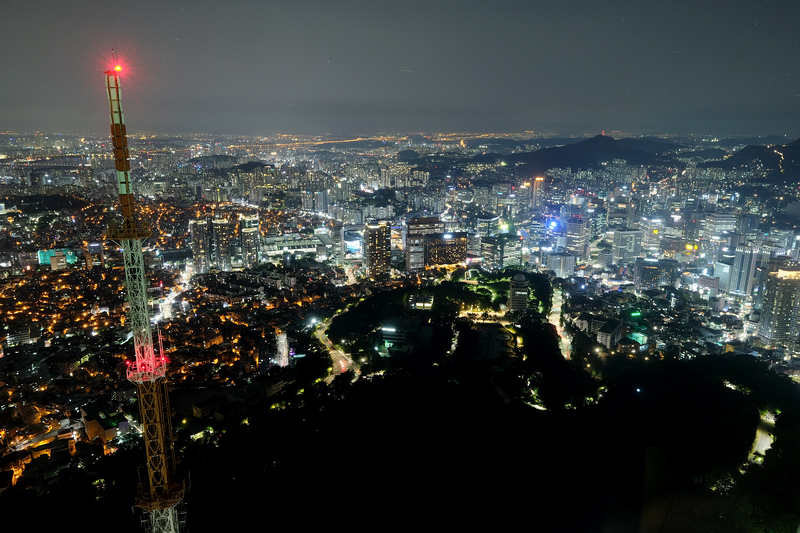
(729, 68)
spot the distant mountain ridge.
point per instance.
(591, 153)
(733, 142)
(251, 166)
(783, 159)
(653, 145)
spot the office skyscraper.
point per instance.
(621, 213)
(518, 294)
(488, 225)
(562, 264)
(576, 236)
(743, 270)
(717, 223)
(651, 234)
(627, 245)
(489, 252)
(536, 193)
(667, 272)
(445, 248)
(414, 247)
(509, 251)
(646, 274)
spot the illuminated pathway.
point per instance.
(554, 318)
(763, 440)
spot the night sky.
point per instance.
(727, 67)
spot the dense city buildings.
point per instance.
(255, 244)
(382, 243)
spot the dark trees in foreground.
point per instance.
(450, 443)
(440, 445)
(689, 425)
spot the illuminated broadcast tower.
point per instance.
(162, 494)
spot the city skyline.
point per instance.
(269, 277)
(255, 69)
(293, 281)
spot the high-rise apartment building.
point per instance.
(378, 237)
(250, 235)
(222, 244)
(766, 266)
(201, 250)
(780, 314)
(315, 201)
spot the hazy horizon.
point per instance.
(259, 68)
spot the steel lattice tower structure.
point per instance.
(160, 497)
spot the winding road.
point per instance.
(341, 361)
(555, 319)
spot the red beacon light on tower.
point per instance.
(160, 496)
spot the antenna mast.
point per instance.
(160, 497)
